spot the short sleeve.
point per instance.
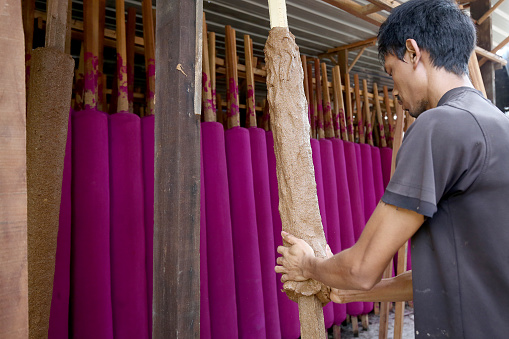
(442, 154)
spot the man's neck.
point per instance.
(441, 82)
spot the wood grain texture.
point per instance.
(13, 190)
(176, 301)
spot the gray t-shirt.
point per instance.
(453, 168)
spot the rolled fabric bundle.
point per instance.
(328, 310)
(128, 274)
(288, 310)
(147, 142)
(345, 211)
(91, 310)
(377, 173)
(265, 231)
(222, 300)
(386, 156)
(358, 158)
(204, 287)
(248, 275)
(354, 186)
(332, 212)
(369, 194)
(59, 313)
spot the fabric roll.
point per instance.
(377, 173)
(265, 230)
(91, 308)
(128, 274)
(248, 276)
(147, 142)
(345, 211)
(222, 300)
(369, 194)
(59, 313)
(355, 188)
(332, 212)
(386, 156)
(288, 310)
(358, 158)
(204, 276)
(328, 310)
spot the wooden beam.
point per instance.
(355, 9)
(176, 301)
(488, 13)
(369, 9)
(491, 55)
(352, 46)
(13, 185)
(387, 5)
(356, 58)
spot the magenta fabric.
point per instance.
(328, 310)
(386, 156)
(222, 300)
(91, 310)
(204, 287)
(377, 173)
(332, 212)
(355, 188)
(248, 275)
(59, 313)
(147, 142)
(369, 194)
(265, 231)
(345, 210)
(127, 252)
(288, 310)
(360, 173)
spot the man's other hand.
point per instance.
(295, 259)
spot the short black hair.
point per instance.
(438, 26)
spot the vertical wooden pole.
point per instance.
(91, 32)
(212, 66)
(250, 97)
(319, 101)
(312, 110)
(148, 37)
(367, 113)
(123, 101)
(130, 37)
(327, 112)
(484, 40)
(338, 100)
(360, 124)
(379, 115)
(176, 301)
(13, 185)
(390, 117)
(208, 111)
(349, 109)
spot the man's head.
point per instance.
(435, 31)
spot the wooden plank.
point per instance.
(488, 13)
(123, 101)
(130, 36)
(387, 5)
(356, 10)
(491, 55)
(495, 50)
(13, 185)
(148, 36)
(176, 301)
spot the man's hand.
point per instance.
(294, 259)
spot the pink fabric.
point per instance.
(328, 310)
(204, 291)
(332, 212)
(147, 142)
(377, 173)
(369, 194)
(248, 276)
(354, 187)
(344, 207)
(59, 313)
(127, 252)
(358, 158)
(288, 310)
(222, 300)
(386, 156)
(265, 231)
(91, 310)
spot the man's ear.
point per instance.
(414, 51)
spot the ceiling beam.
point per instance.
(387, 5)
(355, 9)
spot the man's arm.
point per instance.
(394, 289)
(359, 267)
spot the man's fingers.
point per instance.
(282, 250)
(280, 269)
(288, 238)
(279, 260)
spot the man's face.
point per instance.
(409, 87)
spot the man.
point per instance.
(449, 192)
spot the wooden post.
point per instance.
(390, 117)
(319, 101)
(360, 124)
(367, 113)
(339, 103)
(176, 301)
(484, 40)
(327, 112)
(349, 108)
(250, 97)
(130, 37)
(123, 101)
(148, 37)
(13, 185)
(312, 110)
(208, 111)
(379, 115)
(212, 66)
(232, 78)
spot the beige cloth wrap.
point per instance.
(298, 201)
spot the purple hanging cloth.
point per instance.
(386, 156)
(345, 208)
(288, 310)
(91, 311)
(147, 143)
(248, 275)
(265, 230)
(59, 313)
(332, 212)
(377, 173)
(355, 188)
(204, 278)
(222, 300)
(128, 274)
(358, 158)
(328, 310)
